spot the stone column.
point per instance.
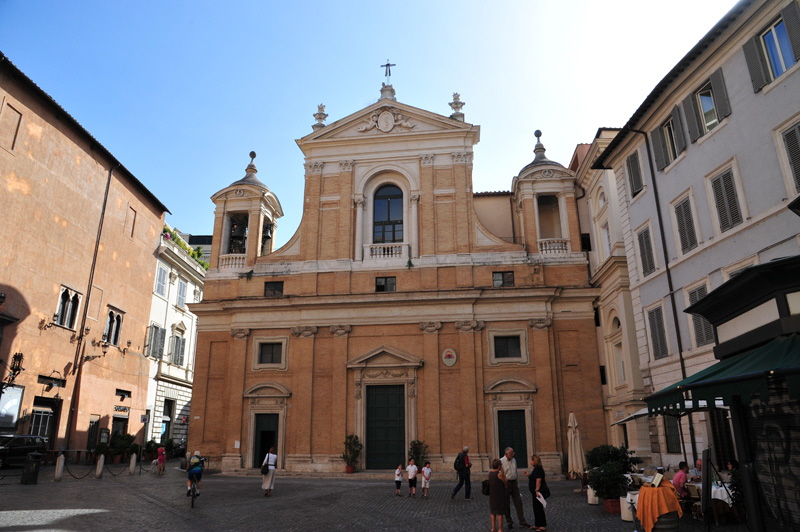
(359, 251)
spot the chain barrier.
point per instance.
(116, 474)
(142, 468)
(73, 475)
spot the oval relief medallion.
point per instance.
(386, 121)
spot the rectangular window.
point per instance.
(668, 141)
(270, 353)
(707, 106)
(273, 289)
(155, 341)
(646, 252)
(658, 337)
(502, 279)
(685, 222)
(703, 330)
(792, 140)
(182, 285)
(178, 349)
(506, 347)
(385, 284)
(634, 174)
(161, 281)
(673, 434)
(775, 49)
(727, 204)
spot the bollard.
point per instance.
(101, 462)
(30, 475)
(132, 467)
(60, 462)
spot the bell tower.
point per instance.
(245, 221)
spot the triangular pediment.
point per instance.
(386, 118)
(385, 357)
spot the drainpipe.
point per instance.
(669, 281)
(80, 347)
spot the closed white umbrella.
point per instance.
(577, 458)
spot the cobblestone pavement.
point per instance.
(144, 502)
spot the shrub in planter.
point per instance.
(418, 451)
(609, 465)
(352, 450)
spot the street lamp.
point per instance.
(14, 369)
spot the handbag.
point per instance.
(265, 469)
(485, 486)
(545, 491)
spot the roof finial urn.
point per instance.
(456, 105)
(320, 116)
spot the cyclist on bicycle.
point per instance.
(194, 470)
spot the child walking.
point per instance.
(411, 470)
(426, 479)
(398, 479)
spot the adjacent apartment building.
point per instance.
(405, 307)
(171, 338)
(702, 172)
(80, 234)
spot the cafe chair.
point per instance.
(692, 502)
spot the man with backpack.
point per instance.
(462, 465)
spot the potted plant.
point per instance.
(607, 478)
(352, 450)
(100, 450)
(418, 451)
(150, 450)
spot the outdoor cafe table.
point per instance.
(655, 502)
(717, 492)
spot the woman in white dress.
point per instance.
(268, 480)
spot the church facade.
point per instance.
(405, 307)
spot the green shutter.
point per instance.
(634, 174)
(791, 18)
(692, 117)
(657, 138)
(677, 130)
(756, 63)
(728, 210)
(792, 140)
(683, 215)
(721, 101)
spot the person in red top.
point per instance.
(680, 479)
(463, 476)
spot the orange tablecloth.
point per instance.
(655, 502)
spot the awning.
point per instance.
(639, 413)
(745, 375)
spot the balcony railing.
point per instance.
(553, 246)
(232, 261)
(386, 251)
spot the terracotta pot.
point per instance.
(611, 506)
(349, 469)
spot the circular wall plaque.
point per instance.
(449, 357)
(386, 121)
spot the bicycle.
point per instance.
(193, 489)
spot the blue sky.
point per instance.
(180, 92)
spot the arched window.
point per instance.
(388, 215)
(68, 304)
(113, 327)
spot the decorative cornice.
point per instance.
(306, 331)
(430, 326)
(540, 323)
(314, 167)
(470, 326)
(346, 166)
(426, 159)
(240, 334)
(340, 330)
(462, 158)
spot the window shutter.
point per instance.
(756, 63)
(703, 330)
(791, 18)
(634, 174)
(683, 215)
(181, 349)
(162, 335)
(646, 252)
(692, 120)
(721, 101)
(657, 334)
(727, 203)
(677, 129)
(792, 139)
(657, 137)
